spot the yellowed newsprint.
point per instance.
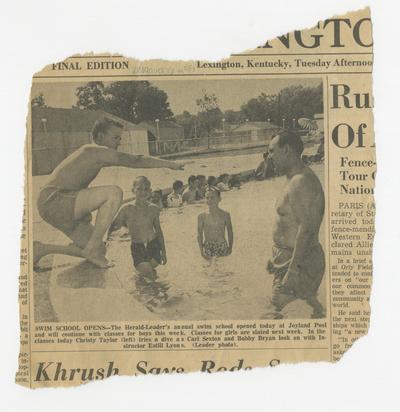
(199, 216)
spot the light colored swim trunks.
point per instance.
(57, 207)
(311, 271)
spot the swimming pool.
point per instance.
(233, 287)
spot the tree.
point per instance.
(299, 101)
(260, 108)
(38, 101)
(209, 115)
(152, 104)
(234, 116)
(91, 96)
(290, 103)
(134, 101)
(189, 123)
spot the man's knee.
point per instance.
(115, 195)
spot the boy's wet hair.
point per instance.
(234, 181)
(141, 179)
(223, 176)
(214, 190)
(178, 184)
(102, 125)
(200, 177)
(192, 179)
(293, 140)
(211, 181)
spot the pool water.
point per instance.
(232, 287)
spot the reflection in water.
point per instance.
(82, 275)
(151, 292)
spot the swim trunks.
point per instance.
(309, 277)
(57, 207)
(174, 200)
(216, 248)
(142, 252)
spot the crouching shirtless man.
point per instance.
(298, 261)
(66, 201)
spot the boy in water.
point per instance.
(174, 199)
(223, 183)
(202, 186)
(191, 192)
(211, 182)
(211, 228)
(142, 220)
(156, 198)
(234, 182)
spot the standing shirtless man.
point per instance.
(298, 261)
(66, 201)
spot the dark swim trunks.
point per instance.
(57, 207)
(145, 252)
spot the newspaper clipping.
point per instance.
(199, 216)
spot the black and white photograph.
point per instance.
(198, 199)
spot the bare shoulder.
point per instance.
(226, 215)
(99, 153)
(305, 194)
(154, 209)
(306, 182)
(93, 148)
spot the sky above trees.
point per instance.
(182, 94)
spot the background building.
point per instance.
(257, 130)
(56, 133)
(164, 136)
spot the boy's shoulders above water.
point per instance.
(174, 195)
(226, 214)
(132, 208)
(154, 208)
(221, 212)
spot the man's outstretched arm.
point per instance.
(146, 162)
(111, 157)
